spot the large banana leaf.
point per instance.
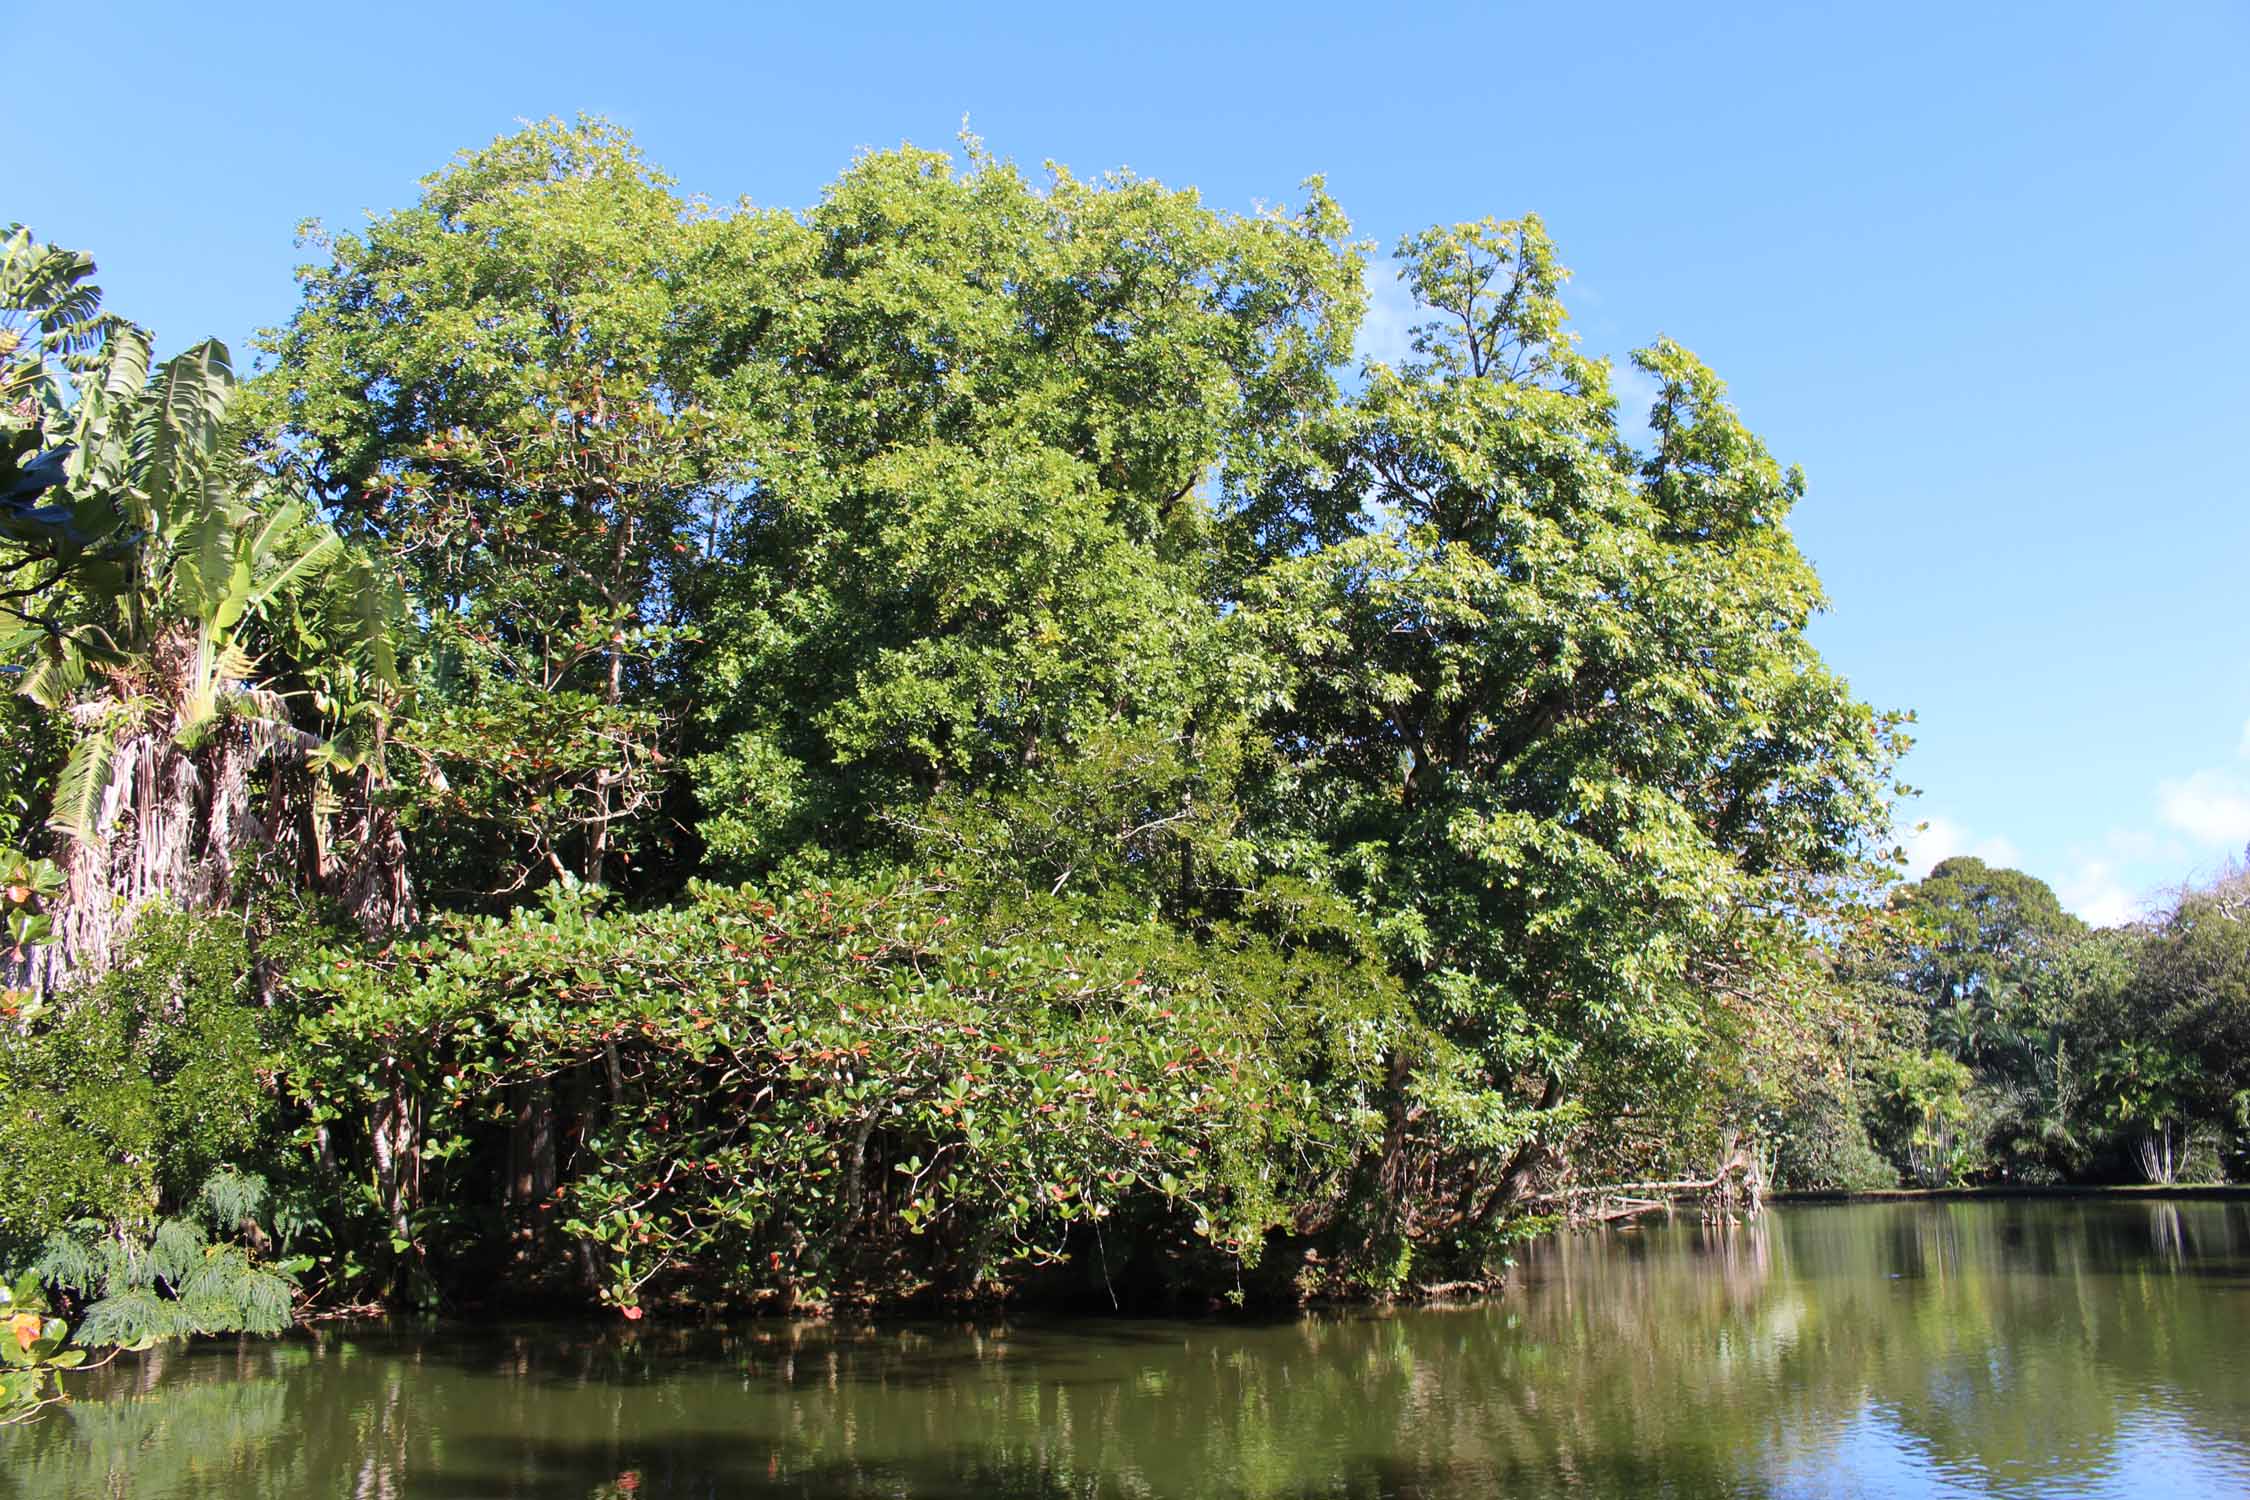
(179, 429)
(167, 535)
(290, 550)
(202, 551)
(56, 287)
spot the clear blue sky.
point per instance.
(1983, 270)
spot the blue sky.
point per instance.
(1983, 271)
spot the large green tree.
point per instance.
(1547, 710)
(976, 549)
(903, 497)
(1972, 937)
(501, 388)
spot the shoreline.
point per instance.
(2219, 1191)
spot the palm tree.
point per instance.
(224, 660)
(2144, 1087)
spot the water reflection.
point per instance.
(2003, 1349)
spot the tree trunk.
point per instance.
(396, 1139)
(176, 826)
(613, 692)
(532, 1144)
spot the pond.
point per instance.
(2002, 1348)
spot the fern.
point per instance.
(177, 1252)
(67, 1262)
(231, 1197)
(177, 1283)
(133, 1317)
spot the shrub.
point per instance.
(125, 1094)
(850, 1094)
(1822, 1145)
(191, 1276)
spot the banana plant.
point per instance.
(51, 321)
(191, 614)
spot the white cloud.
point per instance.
(1938, 839)
(2212, 807)
(2098, 894)
(1386, 334)
(2143, 846)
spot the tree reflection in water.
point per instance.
(2009, 1348)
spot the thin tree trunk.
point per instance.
(613, 692)
(532, 1144)
(397, 1150)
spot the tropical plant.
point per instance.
(1820, 1142)
(26, 886)
(2143, 1086)
(121, 1093)
(858, 1093)
(49, 309)
(1931, 1117)
(35, 1349)
(200, 624)
(502, 387)
(193, 1275)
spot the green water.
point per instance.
(1963, 1348)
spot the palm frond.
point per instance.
(84, 781)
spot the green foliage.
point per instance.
(128, 1092)
(503, 388)
(900, 496)
(190, 1276)
(1194, 806)
(1972, 938)
(137, 1289)
(50, 310)
(32, 748)
(1820, 1143)
(27, 886)
(187, 619)
(849, 1094)
(1545, 708)
(2090, 1055)
(2190, 992)
(34, 1350)
(1927, 1118)
(152, 512)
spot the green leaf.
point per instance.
(84, 782)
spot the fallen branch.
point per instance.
(1626, 1208)
(1443, 1289)
(1637, 1195)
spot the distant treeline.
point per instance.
(1996, 1038)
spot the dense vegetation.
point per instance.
(954, 744)
(2004, 1041)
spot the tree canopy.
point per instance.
(954, 734)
